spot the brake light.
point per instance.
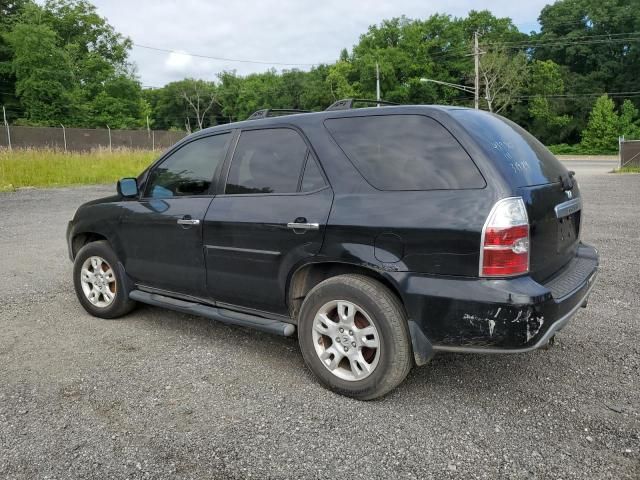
(505, 240)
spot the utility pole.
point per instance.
(476, 58)
(378, 83)
(6, 124)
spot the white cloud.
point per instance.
(290, 31)
(178, 62)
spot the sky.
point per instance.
(298, 32)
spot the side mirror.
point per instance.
(128, 187)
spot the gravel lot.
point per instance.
(164, 395)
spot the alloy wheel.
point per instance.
(346, 340)
(98, 281)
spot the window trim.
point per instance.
(310, 158)
(211, 191)
(224, 177)
(353, 163)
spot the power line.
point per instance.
(225, 59)
(584, 42)
(568, 37)
(581, 19)
(577, 95)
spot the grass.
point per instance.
(564, 149)
(50, 168)
(627, 170)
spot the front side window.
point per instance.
(267, 161)
(405, 152)
(189, 170)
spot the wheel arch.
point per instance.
(81, 239)
(307, 276)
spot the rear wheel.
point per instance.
(354, 336)
(100, 283)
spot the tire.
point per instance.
(111, 281)
(319, 335)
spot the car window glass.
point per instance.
(405, 152)
(189, 170)
(312, 178)
(518, 154)
(267, 161)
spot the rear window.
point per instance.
(520, 156)
(405, 152)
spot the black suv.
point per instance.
(383, 235)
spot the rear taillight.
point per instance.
(504, 247)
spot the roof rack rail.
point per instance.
(269, 112)
(347, 103)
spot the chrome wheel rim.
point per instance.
(98, 281)
(346, 340)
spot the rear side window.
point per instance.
(190, 169)
(312, 178)
(267, 161)
(405, 152)
(518, 154)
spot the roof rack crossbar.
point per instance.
(347, 103)
(269, 112)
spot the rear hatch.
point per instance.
(550, 192)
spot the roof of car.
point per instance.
(295, 118)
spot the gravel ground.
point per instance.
(163, 395)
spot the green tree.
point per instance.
(603, 129)
(594, 43)
(546, 80)
(71, 67)
(340, 81)
(42, 69)
(10, 11)
(629, 125)
(316, 94)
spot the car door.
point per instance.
(271, 214)
(162, 231)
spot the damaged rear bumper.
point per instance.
(478, 315)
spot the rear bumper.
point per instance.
(479, 315)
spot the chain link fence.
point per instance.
(83, 139)
(629, 153)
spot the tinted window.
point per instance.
(312, 179)
(405, 152)
(189, 170)
(267, 161)
(522, 158)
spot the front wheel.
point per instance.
(354, 336)
(100, 284)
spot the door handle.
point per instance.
(303, 226)
(188, 221)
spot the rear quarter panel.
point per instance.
(435, 232)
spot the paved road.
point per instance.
(590, 167)
(164, 395)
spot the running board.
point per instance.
(218, 314)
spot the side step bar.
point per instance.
(219, 314)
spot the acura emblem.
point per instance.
(569, 194)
